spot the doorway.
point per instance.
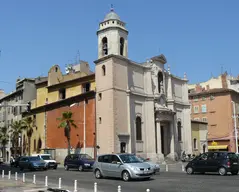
(162, 139)
(122, 147)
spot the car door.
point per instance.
(200, 164)
(115, 166)
(212, 162)
(105, 166)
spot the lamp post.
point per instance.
(84, 132)
(235, 125)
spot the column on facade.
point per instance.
(172, 142)
(158, 136)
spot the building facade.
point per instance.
(140, 107)
(224, 80)
(14, 104)
(57, 93)
(199, 136)
(215, 106)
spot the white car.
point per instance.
(50, 163)
(154, 166)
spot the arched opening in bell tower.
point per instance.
(105, 46)
(122, 46)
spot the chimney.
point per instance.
(224, 80)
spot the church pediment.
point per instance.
(161, 58)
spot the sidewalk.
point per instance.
(15, 186)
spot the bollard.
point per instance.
(183, 168)
(59, 183)
(9, 174)
(3, 174)
(23, 177)
(46, 181)
(16, 176)
(119, 188)
(75, 186)
(34, 179)
(147, 190)
(166, 167)
(95, 187)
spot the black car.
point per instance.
(32, 163)
(78, 161)
(15, 163)
(221, 162)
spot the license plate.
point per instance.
(234, 163)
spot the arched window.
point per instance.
(105, 46)
(103, 70)
(121, 46)
(34, 144)
(194, 143)
(39, 145)
(160, 82)
(204, 148)
(138, 129)
(179, 128)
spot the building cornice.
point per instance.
(61, 103)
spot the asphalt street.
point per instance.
(165, 182)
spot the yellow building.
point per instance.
(199, 136)
(52, 89)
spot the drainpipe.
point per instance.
(84, 128)
(235, 125)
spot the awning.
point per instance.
(217, 147)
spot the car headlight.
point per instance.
(134, 168)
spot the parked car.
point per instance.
(50, 163)
(15, 163)
(78, 161)
(221, 162)
(32, 163)
(125, 166)
(153, 165)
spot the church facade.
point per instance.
(141, 108)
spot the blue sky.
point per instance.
(197, 37)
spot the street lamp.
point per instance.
(235, 124)
(84, 140)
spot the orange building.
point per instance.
(215, 106)
(57, 93)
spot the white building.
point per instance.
(140, 108)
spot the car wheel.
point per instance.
(98, 174)
(80, 168)
(125, 176)
(235, 173)
(222, 171)
(189, 170)
(55, 167)
(66, 167)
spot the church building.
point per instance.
(141, 108)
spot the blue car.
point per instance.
(78, 161)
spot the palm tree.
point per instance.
(4, 138)
(67, 122)
(15, 131)
(27, 124)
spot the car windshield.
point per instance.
(130, 158)
(34, 158)
(85, 156)
(142, 159)
(46, 157)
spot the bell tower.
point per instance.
(112, 36)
